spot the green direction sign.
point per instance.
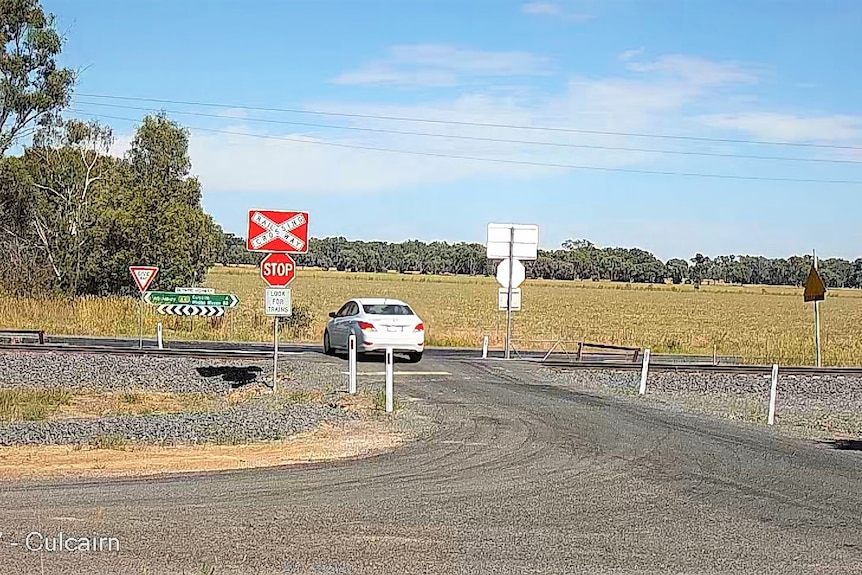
(173, 298)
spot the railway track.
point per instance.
(203, 353)
(701, 367)
(258, 351)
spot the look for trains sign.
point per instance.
(277, 231)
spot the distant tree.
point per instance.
(678, 270)
(33, 89)
(699, 269)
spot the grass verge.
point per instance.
(32, 405)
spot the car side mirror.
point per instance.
(332, 314)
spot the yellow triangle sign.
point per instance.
(815, 289)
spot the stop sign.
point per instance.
(277, 269)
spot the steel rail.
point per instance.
(695, 367)
(605, 365)
(130, 351)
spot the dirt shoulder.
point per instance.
(329, 442)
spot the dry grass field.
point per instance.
(761, 324)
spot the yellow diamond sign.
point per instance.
(815, 289)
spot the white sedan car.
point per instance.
(377, 323)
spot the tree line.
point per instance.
(73, 217)
(576, 259)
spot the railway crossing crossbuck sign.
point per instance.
(281, 233)
(277, 231)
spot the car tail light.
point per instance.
(420, 327)
(365, 326)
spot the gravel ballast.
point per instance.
(113, 373)
(259, 418)
(805, 405)
(240, 424)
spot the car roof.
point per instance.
(378, 301)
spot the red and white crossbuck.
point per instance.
(277, 231)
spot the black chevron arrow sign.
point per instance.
(190, 310)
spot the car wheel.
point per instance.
(327, 346)
(414, 356)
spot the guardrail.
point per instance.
(13, 334)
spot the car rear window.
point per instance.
(387, 309)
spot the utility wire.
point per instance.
(495, 160)
(477, 124)
(486, 139)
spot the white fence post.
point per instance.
(772, 390)
(485, 347)
(389, 377)
(644, 372)
(351, 361)
(159, 334)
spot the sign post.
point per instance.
(509, 294)
(277, 303)
(275, 353)
(280, 233)
(511, 243)
(815, 290)
(143, 276)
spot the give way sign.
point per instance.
(277, 231)
(143, 276)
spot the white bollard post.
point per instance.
(772, 390)
(644, 372)
(390, 359)
(351, 360)
(159, 334)
(485, 347)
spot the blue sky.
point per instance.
(768, 70)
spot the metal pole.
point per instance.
(141, 323)
(275, 353)
(509, 295)
(644, 372)
(773, 388)
(816, 320)
(389, 377)
(351, 386)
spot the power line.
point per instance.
(494, 140)
(496, 160)
(477, 124)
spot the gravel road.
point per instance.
(523, 475)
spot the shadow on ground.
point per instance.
(236, 376)
(844, 444)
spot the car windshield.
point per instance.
(387, 309)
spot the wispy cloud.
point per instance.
(698, 71)
(679, 94)
(554, 10)
(790, 127)
(442, 65)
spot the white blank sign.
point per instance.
(524, 247)
(503, 294)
